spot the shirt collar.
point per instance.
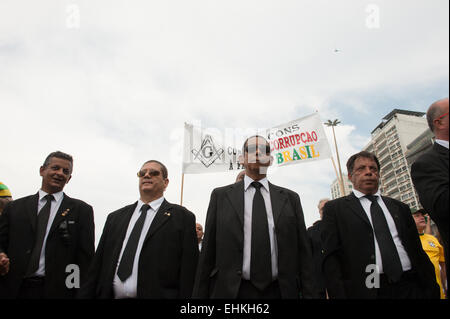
(57, 195)
(153, 204)
(442, 143)
(248, 180)
(359, 194)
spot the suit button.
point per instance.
(28, 251)
(239, 272)
(372, 257)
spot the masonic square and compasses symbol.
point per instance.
(208, 153)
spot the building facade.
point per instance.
(419, 146)
(389, 142)
(336, 190)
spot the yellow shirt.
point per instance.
(435, 252)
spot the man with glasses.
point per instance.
(255, 244)
(148, 249)
(46, 239)
(430, 172)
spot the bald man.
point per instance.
(430, 172)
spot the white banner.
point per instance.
(299, 141)
(205, 152)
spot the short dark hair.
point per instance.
(58, 154)
(164, 170)
(246, 142)
(353, 158)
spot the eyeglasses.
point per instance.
(144, 172)
(265, 149)
(443, 115)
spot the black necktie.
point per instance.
(261, 261)
(126, 263)
(41, 229)
(392, 266)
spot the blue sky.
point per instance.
(112, 82)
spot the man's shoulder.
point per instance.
(180, 209)
(222, 189)
(344, 200)
(315, 226)
(23, 200)
(122, 210)
(432, 154)
(77, 202)
(392, 201)
(281, 189)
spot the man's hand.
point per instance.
(4, 264)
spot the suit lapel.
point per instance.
(31, 208)
(357, 208)
(162, 216)
(235, 195)
(395, 213)
(63, 210)
(277, 199)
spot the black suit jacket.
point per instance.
(220, 266)
(316, 249)
(167, 261)
(430, 177)
(349, 247)
(75, 245)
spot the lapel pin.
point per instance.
(167, 213)
(64, 213)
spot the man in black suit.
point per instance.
(316, 249)
(148, 249)
(255, 243)
(46, 239)
(430, 173)
(370, 242)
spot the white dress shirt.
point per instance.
(54, 206)
(128, 288)
(442, 143)
(365, 202)
(249, 193)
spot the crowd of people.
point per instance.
(255, 244)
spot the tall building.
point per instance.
(336, 190)
(419, 146)
(389, 142)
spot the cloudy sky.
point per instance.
(112, 82)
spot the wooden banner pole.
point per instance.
(182, 187)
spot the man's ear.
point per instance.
(271, 160)
(41, 170)
(69, 179)
(436, 124)
(166, 183)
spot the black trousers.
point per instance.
(248, 291)
(32, 288)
